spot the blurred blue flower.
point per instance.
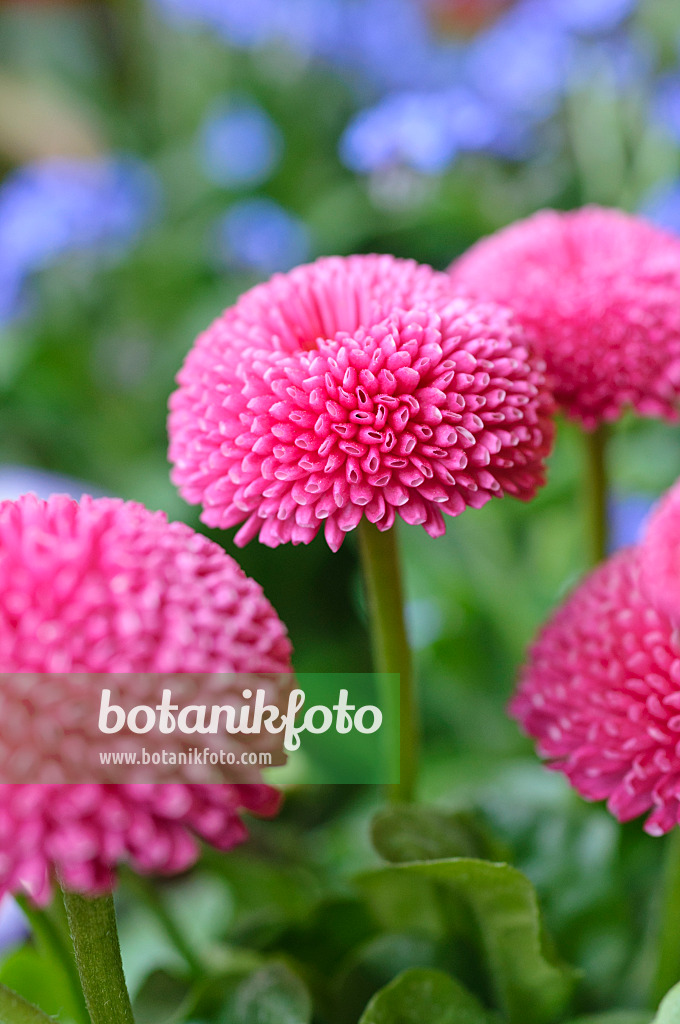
(240, 144)
(307, 25)
(390, 41)
(18, 480)
(627, 514)
(261, 236)
(434, 96)
(425, 131)
(666, 105)
(591, 16)
(662, 206)
(521, 63)
(625, 59)
(59, 207)
(392, 44)
(14, 927)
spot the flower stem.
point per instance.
(668, 943)
(596, 495)
(15, 1010)
(92, 923)
(391, 651)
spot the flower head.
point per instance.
(356, 387)
(601, 695)
(105, 586)
(596, 290)
(661, 556)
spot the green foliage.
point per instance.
(412, 832)
(493, 910)
(41, 981)
(669, 1011)
(622, 1017)
(417, 996)
(272, 995)
(281, 931)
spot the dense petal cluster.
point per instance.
(107, 586)
(355, 387)
(601, 695)
(596, 290)
(661, 556)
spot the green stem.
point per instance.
(92, 923)
(596, 494)
(391, 651)
(15, 1010)
(668, 943)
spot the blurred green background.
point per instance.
(159, 158)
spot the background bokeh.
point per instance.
(159, 157)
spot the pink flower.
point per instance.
(661, 556)
(356, 387)
(597, 292)
(106, 586)
(601, 695)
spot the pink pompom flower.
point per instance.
(356, 387)
(597, 293)
(105, 586)
(661, 556)
(601, 695)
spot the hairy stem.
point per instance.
(391, 651)
(92, 923)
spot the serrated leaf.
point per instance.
(669, 1011)
(424, 995)
(495, 908)
(272, 995)
(407, 833)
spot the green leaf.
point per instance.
(494, 908)
(669, 1011)
(424, 995)
(162, 999)
(40, 981)
(408, 833)
(15, 1009)
(375, 964)
(272, 995)
(616, 1017)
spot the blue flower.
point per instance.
(18, 480)
(59, 207)
(14, 927)
(520, 64)
(591, 16)
(307, 25)
(627, 514)
(666, 105)
(260, 235)
(425, 131)
(240, 144)
(661, 205)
